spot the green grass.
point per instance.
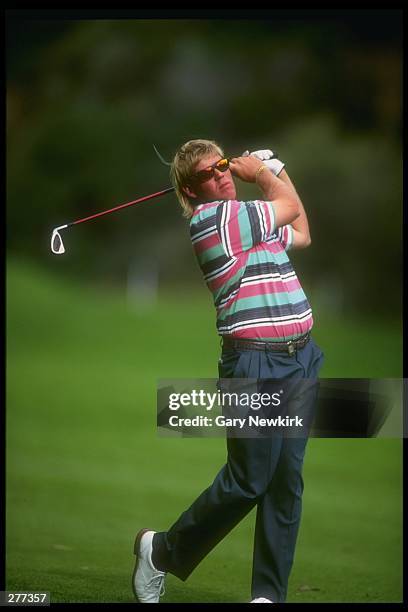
(86, 468)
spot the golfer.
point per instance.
(264, 319)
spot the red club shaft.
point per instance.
(106, 212)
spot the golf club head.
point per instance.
(57, 246)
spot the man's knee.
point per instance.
(250, 486)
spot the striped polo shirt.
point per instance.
(243, 258)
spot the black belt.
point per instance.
(260, 345)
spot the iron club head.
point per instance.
(57, 246)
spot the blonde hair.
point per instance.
(184, 162)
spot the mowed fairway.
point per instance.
(86, 469)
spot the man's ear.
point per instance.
(189, 192)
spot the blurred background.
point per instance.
(89, 333)
(87, 99)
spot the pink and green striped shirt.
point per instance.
(243, 259)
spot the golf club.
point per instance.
(163, 161)
(57, 246)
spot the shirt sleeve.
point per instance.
(243, 225)
(285, 236)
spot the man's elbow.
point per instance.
(301, 241)
(304, 241)
(307, 242)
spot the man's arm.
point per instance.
(284, 198)
(300, 225)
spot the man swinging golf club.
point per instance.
(264, 319)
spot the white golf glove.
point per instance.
(267, 156)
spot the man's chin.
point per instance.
(228, 194)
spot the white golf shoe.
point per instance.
(261, 600)
(147, 581)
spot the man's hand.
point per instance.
(245, 168)
(269, 158)
(261, 154)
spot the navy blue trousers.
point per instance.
(262, 472)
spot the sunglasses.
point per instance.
(207, 173)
